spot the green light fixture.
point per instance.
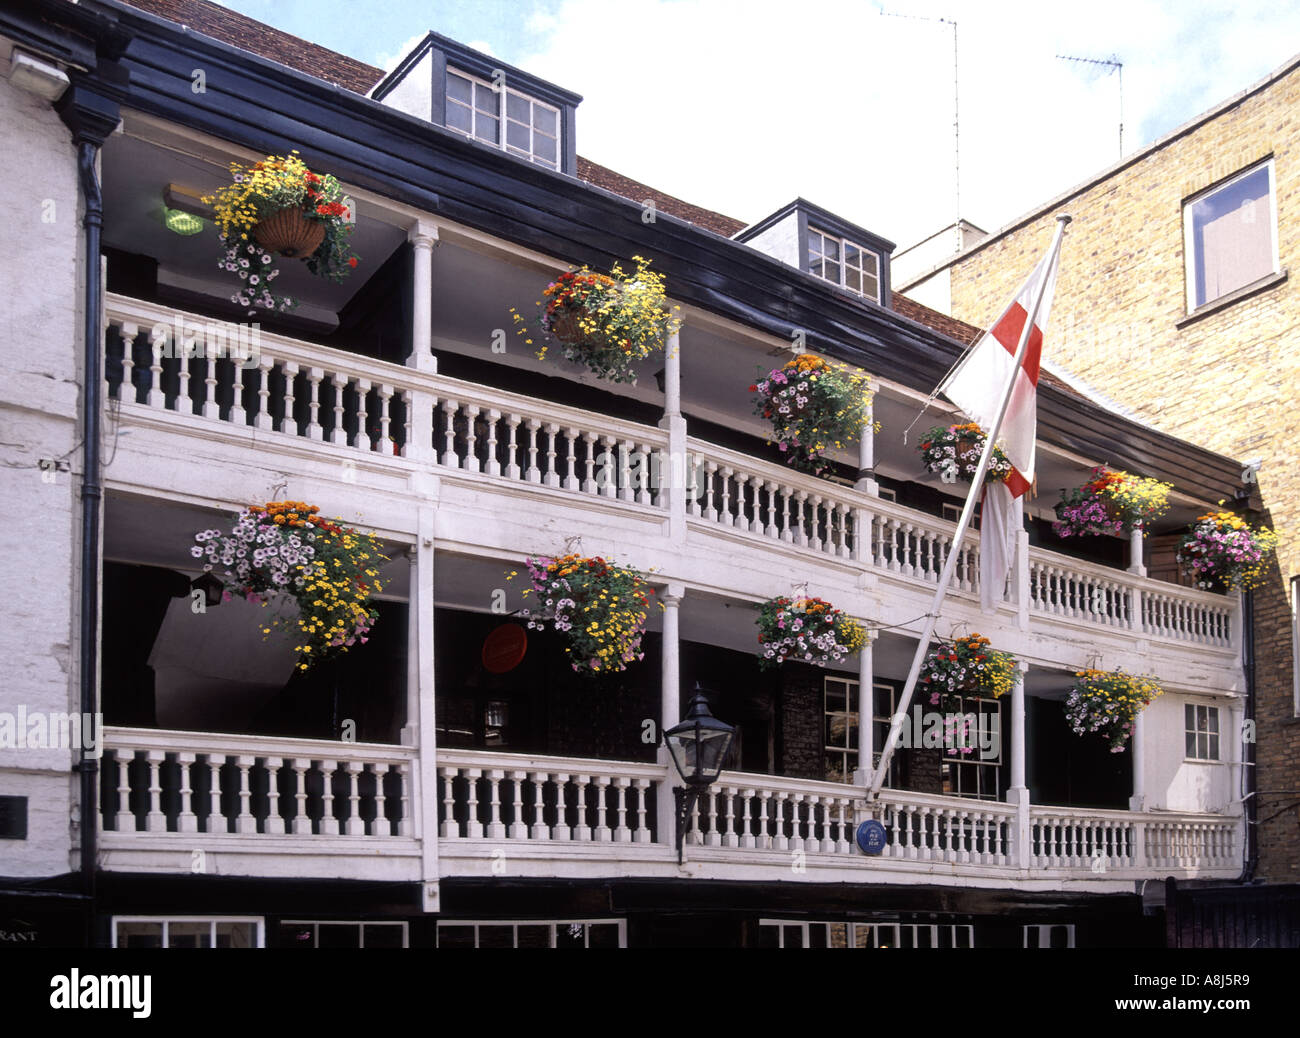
(182, 223)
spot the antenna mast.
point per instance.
(1112, 62)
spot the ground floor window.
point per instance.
(534, 933)
(302, 933)
(785, 933)
(1049, 936)
(187, 932)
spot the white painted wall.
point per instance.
(414, 94)
(1174, 783)
(781, 240)
(40, 262)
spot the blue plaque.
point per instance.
(871, 837)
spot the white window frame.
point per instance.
(1196, 732)
(1044, 931)
(1189, 244)
(166, 920)
(844, 244)
(883, 693)
(552, 923)
(361, 924)
(501, 91)
(874, 931)
(960, 765)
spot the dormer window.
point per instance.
(844, 263)
(532, 128)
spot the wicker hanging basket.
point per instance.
(290, 233)
(564, 325)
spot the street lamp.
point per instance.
(698, 746)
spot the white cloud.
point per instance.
(388, 61)
(743, 106)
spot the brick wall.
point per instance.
(1228, 380)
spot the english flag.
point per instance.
(977, 386)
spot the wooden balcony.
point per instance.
(254, 806)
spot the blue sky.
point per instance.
(740, 105)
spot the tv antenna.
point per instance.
(1112, 62)
(956, 124)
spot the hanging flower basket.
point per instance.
(600, 608)
(318, 577)
(1112, 503)
(954, 453)
(605, 322)
(813, 406)
(278, 207)
(290, 232)
(967, 666)
(1107, 703)
(806, 630)
(1222, 550)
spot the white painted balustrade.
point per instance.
(923, 827)
(183, 367)
(738, 492)
(198, 782)
(506, 796)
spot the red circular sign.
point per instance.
(504, 648)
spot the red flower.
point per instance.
(753, 389)
(352, 261)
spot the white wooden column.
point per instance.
(866, 711)
(672, 472)
(1137, 802)
(867, 449)
(421, 647)
(1020, 577)
(1017, 791)
(1136, 561)
(669, 710)
(423, 236)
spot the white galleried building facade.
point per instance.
(403, 794)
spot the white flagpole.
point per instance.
(967, 513)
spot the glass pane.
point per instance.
(545, 121)
(871, 263)
(459, 118)
(485, 100)
(831, 272)
(815, 248)
(381, 936)
(189, 935)
(832, 249)
(1214, 747)
(296, 935)
(1060, 937)
(538, 936)
(455, 937)
(768, 936)
(871, 287)
(852, 279)
(1189, 717)
(961, 939)
(517, 107)
(459, 88)
(602, 935)
(486, 130)
(139, 935)
(1232, 238)
(1212, 719)
(236, 935)
(1191, 745)
(570, 935)
(852, 254)
(544, 148)
(817, 935)
(496, 936)
(338, 935)
(793, 936)
(517, 135)
(835, 696)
